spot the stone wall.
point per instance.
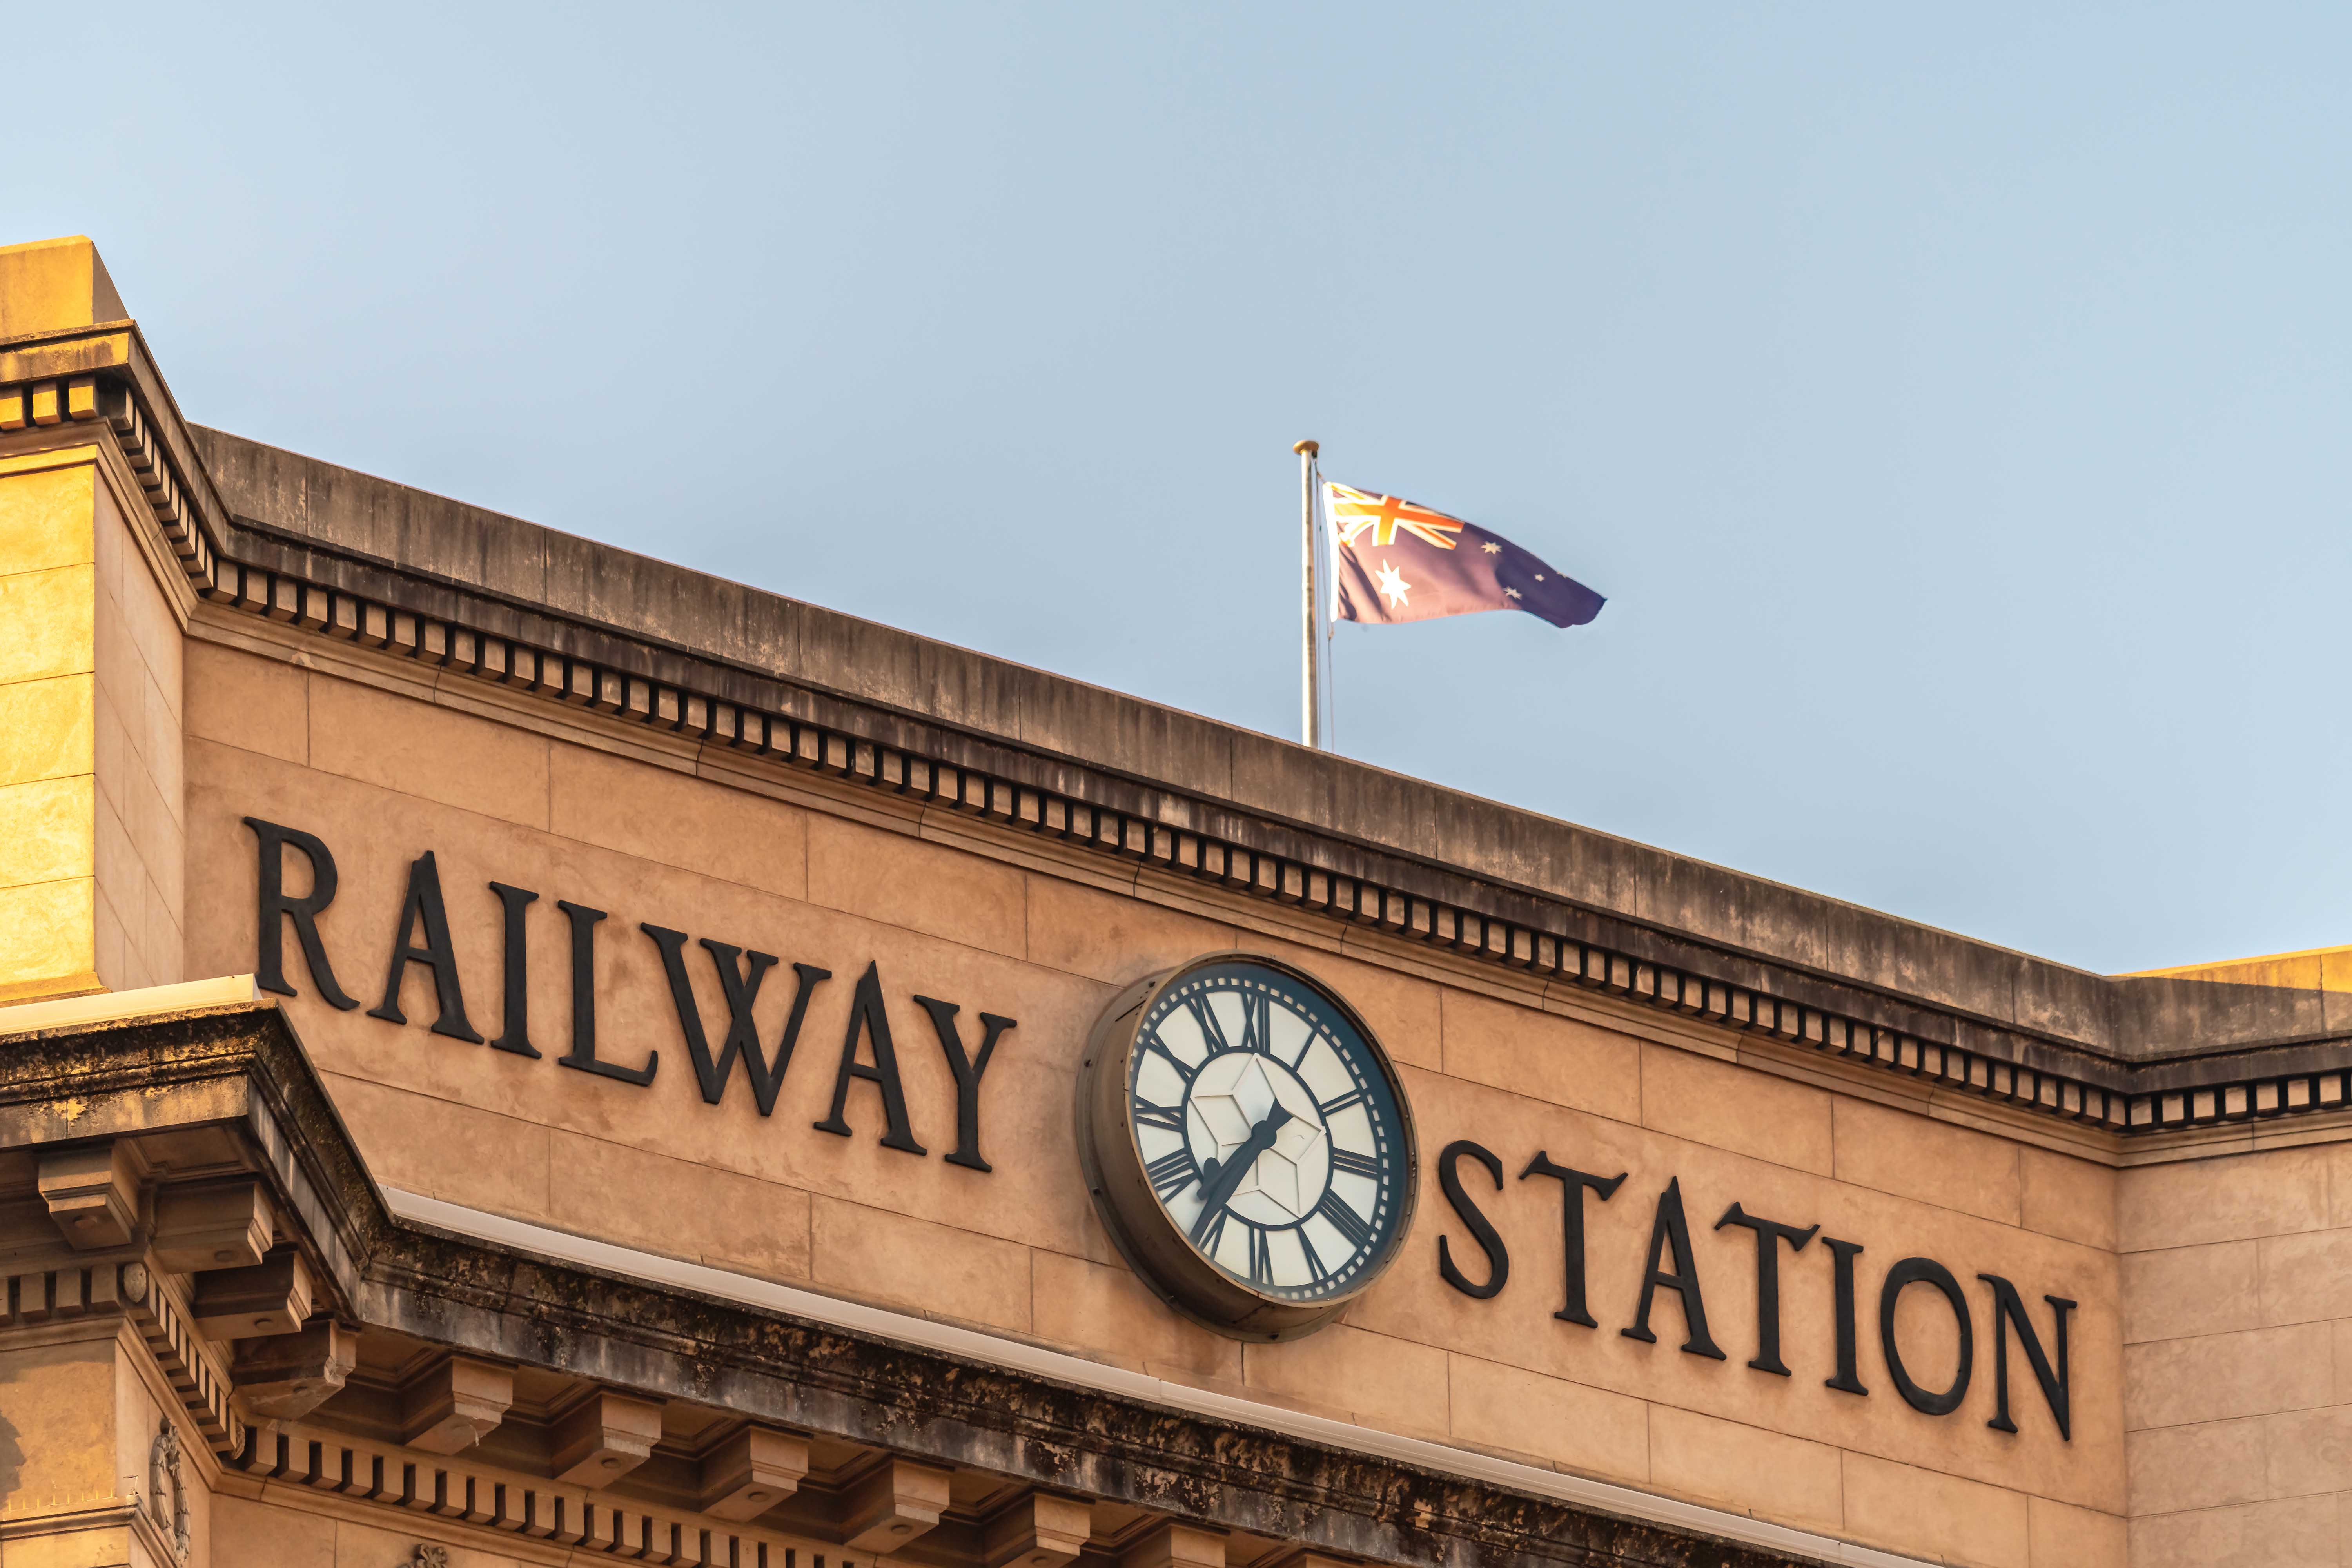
(2237, 1320)
(91, 840)
(384, 762)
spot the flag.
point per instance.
(1399, 562)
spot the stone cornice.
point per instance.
(770, 680)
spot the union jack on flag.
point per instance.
(1398, 562)
(1352, 511)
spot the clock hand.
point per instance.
(1220, 1188)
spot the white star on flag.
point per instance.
(1455, 567)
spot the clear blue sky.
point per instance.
(1953, 403)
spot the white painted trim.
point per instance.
(102, 1006)
(971, 1344)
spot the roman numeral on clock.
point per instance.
(1170, 1174)
(1355, 1165)
(1206, 1017)
(1261, 1259)
(1330, 1108)
(1171, 1117)
(1344, 1219)
(1158, 1048)
(1257, 1021)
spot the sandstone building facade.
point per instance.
(514, 1053)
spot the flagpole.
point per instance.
(1308, 706)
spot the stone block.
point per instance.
(272, 1296)
(48, 939)
(284, 1377)
(456, 1153)
(1356, 1374)
(751, 1472)
(2307, 1276)
(603, 1437)
(55, 286)
(93, 1194)
(250, 1531)
(891, 1504)
(2307, 1452)
(675, 819)
(2190, 1290)
(47, 515)
(1176, 1545)
(1937, 1516)
(430, 751)
(46, 831)
(1787, 1479)
(253, 703)
(47, 729)
(1040, 1530)
(913, 885)
(2063, 1536)
(1900, 1152)
(2201, 1466)
(52, 623)
(1591, 1431)
(1565, 1060)
(2295, 1533)
(1726, 1105)
(2172, 1383)
(2274, 1193)
(1113, 937)
(936, 1268)
(454, 1403)
(215, 1224)
(678, 1207)
(1102, 1308)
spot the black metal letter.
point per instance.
(423, 906)
(1466, 1210)
(742, 989)
(583, 1003)
(269, 962)
(741, 981)
(1916, 1272)
(515, 1034)
(1844, 1252)
(1572, 1228)
(2009, 1308)
(1769, 1234)
(866, 1010)
(1671, 1229)
(967, 1071)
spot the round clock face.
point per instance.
(1250, 1146)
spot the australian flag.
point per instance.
(1399, 562)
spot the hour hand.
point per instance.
(1219, 1189)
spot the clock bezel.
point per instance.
(1142, 1230)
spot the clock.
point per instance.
(1248, 1144)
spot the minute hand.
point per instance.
(1220, 1192)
